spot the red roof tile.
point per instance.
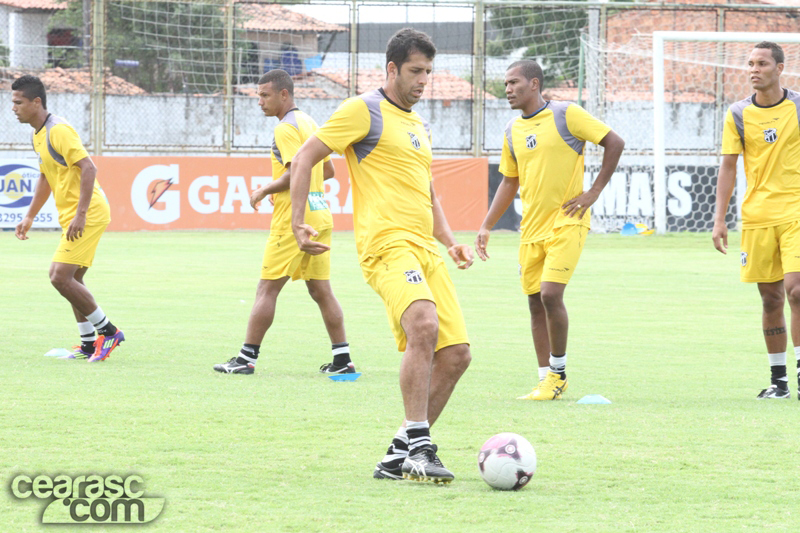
(78, 80)
(34, 4)
(275, 17)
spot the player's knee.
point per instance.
(317, 293)
(772, 301)
(59, 280)
(793, 294)
(462, 358)
(424, 330)
(552, 300)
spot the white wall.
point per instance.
(28, 39)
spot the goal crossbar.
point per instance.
(659, 38)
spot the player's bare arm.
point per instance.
(726, 179)
(612, 145)
(328, 170)
(279, 185)
(312, 152)
(88, 175)
(461, 253)
(506, 192)
(40, 196)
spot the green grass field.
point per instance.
(659, 325)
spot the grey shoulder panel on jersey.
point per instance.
(794, 96)
(51, 121)
(560, 116)
(366, 145)
(737, 110)
(509, 141)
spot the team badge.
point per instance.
(530, 141)
(414, 141)
(744, 258)
(413, 276)
(771, 135)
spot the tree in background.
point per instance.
(161, 46)
(549, 35)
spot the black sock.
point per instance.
(341, 353)
(87, 346)
(248, 353)
(108, 330)
(418, 437)
(779, 376)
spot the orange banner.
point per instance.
(155, 193)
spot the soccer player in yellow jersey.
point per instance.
(542, 158)
(396, 216)
(282, 257)
(764, 126)
(83, 213)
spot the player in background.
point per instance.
(282, 257)
(542, 157)
(396, 216)
(83, 213)
(764, 126)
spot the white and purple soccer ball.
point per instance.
(507, 461)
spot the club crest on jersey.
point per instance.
(413, 276)
(744, 258)
(771, 135)
(530, 141)
(414, 140)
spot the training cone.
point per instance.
(628, 229)
(57, 352)
(345, 377)
(594, 399)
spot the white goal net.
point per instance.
(666, 94)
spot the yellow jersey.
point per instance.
(59, 147)
(388, 153)
(545, 152)
(290, 134)
(770, 140)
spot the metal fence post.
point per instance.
(97, 96)
(353, 85)
(227, 134)
(478, 54)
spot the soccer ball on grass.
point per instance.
(507, 461)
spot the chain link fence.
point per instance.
(149, 77)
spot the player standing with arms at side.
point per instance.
(396, 216)
(764, 126)
(282, 257)
(83, 213)
(542, 157)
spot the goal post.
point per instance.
(722, 61)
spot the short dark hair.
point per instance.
(406, 41)
(31, 87)
(777, 51)
(279, 79)
(530, 69)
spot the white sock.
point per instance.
(797, 356)
(98, 318)
(558, 364)
(543, 370)
(87, 331)
(399, 447)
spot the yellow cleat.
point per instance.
(551, 388)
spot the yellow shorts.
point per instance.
(405, 273)
(769, 253)
(553, 259)
(80, 251)
(282, 257)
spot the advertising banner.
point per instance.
(18, 179)
(155, 193)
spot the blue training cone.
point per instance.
(594, 399)
(628, 229)
(345, 377)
